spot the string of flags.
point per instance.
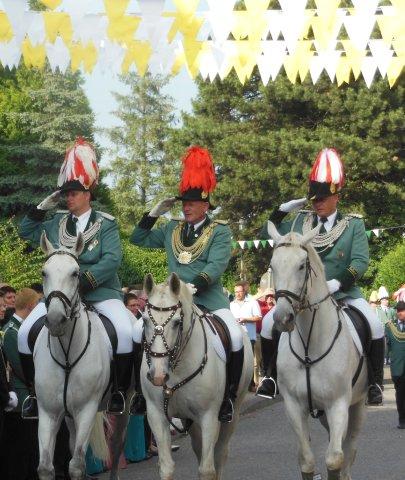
(127, 35)
(249, 244)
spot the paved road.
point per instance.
(263, 448)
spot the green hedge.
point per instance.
(391, 269)
(137, 262)
(19, 266)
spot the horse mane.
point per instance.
(314, 259)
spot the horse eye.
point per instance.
(301, 267)
(75, 274)
(43, 273)
(176, 322)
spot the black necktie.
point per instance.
(323, 220)
(75, 220)
(190, 233)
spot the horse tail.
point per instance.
(98, 440)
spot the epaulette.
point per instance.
(305, 211)
(62, 212)
(353, 215)
(106, 215)
(177, 219)
(221, 222)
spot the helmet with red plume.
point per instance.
(198, 175)
(79, 170)
(327, 175)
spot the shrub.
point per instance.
(391, 269)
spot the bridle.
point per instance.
(303, 304)
(175, 352)
(72, 309)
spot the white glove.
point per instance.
(292, 205)
(191, 287)
(12, 401)
(50, 202)
(162, 207)
(333, 285)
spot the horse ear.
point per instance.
(148, 283)
(309, 236)
(79, 245)
(45, 244)
(273, 232)
(174, 284)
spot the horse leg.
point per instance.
(210, 432)
(117, 443)
(337, 416)
(357, 413)
(222, 446)
(84, 421)
(299, 422)
(161, 431)
(72, 433)
(48, 427)
(195, 436)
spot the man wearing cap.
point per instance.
(198, 251)
(395, 333)
(343, 247)
(384, 312)
(99, 262)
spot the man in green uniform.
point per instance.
(20, 450)
(198, 250)
(99, 261)
(395, 334)
(343, 247)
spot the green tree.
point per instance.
(41, 113)
(141, 167)
(391, 269)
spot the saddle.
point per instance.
(361, 325)
(219, 327)
(107, 323)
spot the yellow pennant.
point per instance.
(257, 5)
(34, 56)
(248, 25)
(58, 23)
(394, 69)
(179, 61)
(115, 8)
(325, 29)
(399, 47)
(299, 61)
(326, 8)
(354, 57)
(6, 31)
(123, 29)
(187, 24)
(343, 71)
(86, 54)
(52, 4)
(191, 50)
(389, 26)
(187, 7)
(139, 53)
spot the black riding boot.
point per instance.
(122, 374)
(29, 409)
(138, 404)
(376, 376)
(234, 373)
(268, 386)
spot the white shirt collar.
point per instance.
(198, 225)
(82, 221)
(18, 317)
(329, 223)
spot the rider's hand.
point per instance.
(292, 205)
(162, 207)
(333, 285)
(192, 288)
(50, 202)
(12, 401)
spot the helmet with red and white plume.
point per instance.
(327, 175)
(198, 175)
(79, 170)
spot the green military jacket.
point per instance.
(10, 350)
(385, 316)
(102, 254)
(345, 258)
(396, 348)
(200, 260)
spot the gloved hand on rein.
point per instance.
(333, 285)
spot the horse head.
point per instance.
(167, 312)
(60, 275)
(292, 263)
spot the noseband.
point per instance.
(66, 302)
(159, 330)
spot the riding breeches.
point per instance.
(224, 313)
(112, 308)
(359, 303)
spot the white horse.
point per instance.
(317, 358)
(186, 378)
(72, 363)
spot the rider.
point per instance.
(198, 250)
(99, 262)
(343, 247)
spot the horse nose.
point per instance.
(157, 380)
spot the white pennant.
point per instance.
(110, 57)
(242, 244)
(221, 25)
(368, 68)
(151, 7)
(75, 8)
(15, 11)
(382, 54)
(359, 28)
(271, 60)
(161, 60)
(367, 7)
(154, 29)
(58, 55)
(10, 54)
(376, 232)
(270, 242)
(273, 23)
(90, 27)
(36, 29)
(256, 243)
(331, 62)
(291, 27)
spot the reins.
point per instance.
(72, 314)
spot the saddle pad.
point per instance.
(358, 323)
(213, 335)
(110, 330)
(221, 329)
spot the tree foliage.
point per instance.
(141, 167)
(391, 269)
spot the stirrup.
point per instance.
(137, 405)
(29, 408)
(261, 392)
(226, 417)
(121, 398)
